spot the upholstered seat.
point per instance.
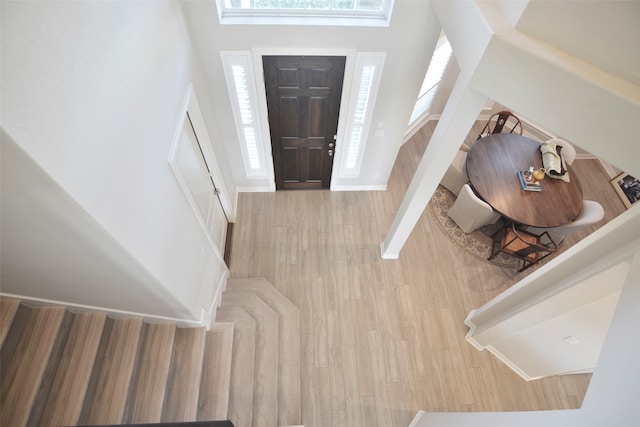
(456, 175)
(470, 212)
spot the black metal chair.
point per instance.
(528, 247)
(502, 122)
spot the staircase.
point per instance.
(265, 371)
(59, 368)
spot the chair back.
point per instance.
(502, 122)
(470, 212)
(591, 213)
(524, 245)
(456, 175)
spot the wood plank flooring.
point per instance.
(382, 339)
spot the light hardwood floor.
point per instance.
(381, 339)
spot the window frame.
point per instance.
(363, 60)
(231, 59)
(365, 18)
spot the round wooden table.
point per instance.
(492, 166)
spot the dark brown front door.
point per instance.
(303, 98)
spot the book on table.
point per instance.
(527, 183)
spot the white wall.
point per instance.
(92, 92)
(408, 43)
(556, 333)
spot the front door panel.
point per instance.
(303, 97)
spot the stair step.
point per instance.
(242, 363)
(58, 368)
(73, 371)
(8, 309)
(289, 385)
(265, 399)
(46, 383)
(151, 371)
(213, 402)
(183, 384)
(280, 303)
(106, 396)
(21, 376)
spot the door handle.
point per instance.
(330, 152)
(331, 144)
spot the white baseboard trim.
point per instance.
(472, 327)
(515, 368)
(493, 350)
(258, 189)
(110, 312)
(416, 419)
(609, 169)
(209, 316)
(416, 125)
(384, 255)
(359, 187)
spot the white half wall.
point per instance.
(92, 92)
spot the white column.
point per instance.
(458, 116)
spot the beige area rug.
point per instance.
(477, 244)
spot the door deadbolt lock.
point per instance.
(331, 144)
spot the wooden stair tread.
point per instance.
(22, 376)
(150, 375)
(95, 370)
(183, 384)
(272, 296)
(242, 364)
(48, 376)
(107, 391)
(288, 351)
(265, 397)
(8, 309)
(213, 402)
(69, 386)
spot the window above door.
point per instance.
(374, 13)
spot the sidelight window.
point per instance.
(366, 79)
(242, 93)
(438, 64)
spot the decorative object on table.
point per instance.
(627, 187)
(591, 213)
(568, 152)
(476, 244)
(470, 212)
(502, 122)
(552, 161)
(527, 182)
(528, 247)
(456, 175)
(537, 175)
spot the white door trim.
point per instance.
(258, 53)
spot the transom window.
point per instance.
(314, 12)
